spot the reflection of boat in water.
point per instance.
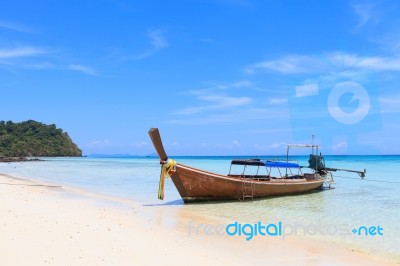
(199, 185)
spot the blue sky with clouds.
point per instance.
(218, 77)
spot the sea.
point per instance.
(362, 214)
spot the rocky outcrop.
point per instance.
(17, 159)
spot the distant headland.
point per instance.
(34, 139)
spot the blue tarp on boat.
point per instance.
(281, 164)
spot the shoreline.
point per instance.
(62, 225)
(16, 159)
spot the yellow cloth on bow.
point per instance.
(166, 169)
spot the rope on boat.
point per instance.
(372, 180)
(167, 167)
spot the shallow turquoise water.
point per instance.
(328, 215)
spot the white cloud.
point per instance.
(157, 39)
(22, 51)
(307, 90)
(379, 63)
(325, 63)
(236, 143)
(364, 12)
(340, 147)
(291, 64)
(215, 98)
(140, 144)
(270, 147)
(99, 143)
(211, 101)
(226, 101)
(233, 144)
(82, 69)
(228, 104)
(39, 66)
(225, 86)
(15, 56)
(233, 116)
(13, 26)
(242, 84)
(157, 42)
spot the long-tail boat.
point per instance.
(199, 185)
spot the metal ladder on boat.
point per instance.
(248, 188)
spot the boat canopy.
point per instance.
(254, 162)
(281, 164)
(258, 162)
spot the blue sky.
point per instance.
(218, 77)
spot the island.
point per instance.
(34, 139)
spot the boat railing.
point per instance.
(281, 166)
(245, 163)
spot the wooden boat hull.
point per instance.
(198, 185)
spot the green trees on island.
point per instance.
(31, 138)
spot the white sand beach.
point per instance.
(43, 224)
